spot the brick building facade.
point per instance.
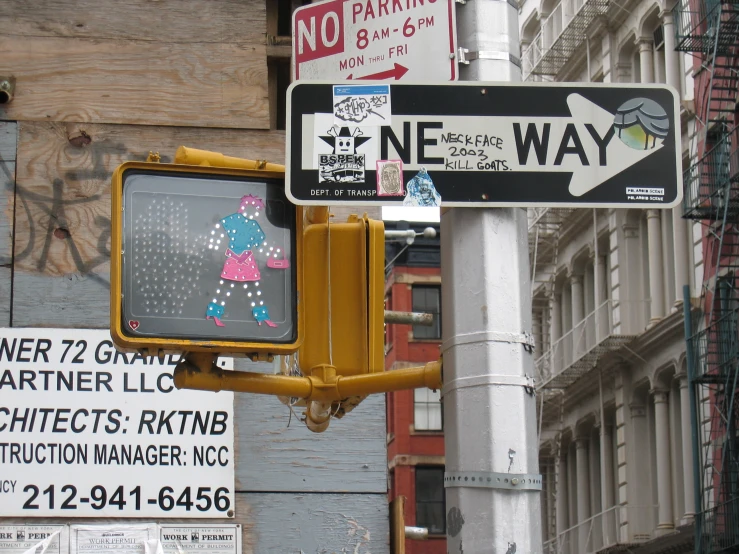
(414, 417)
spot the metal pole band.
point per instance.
(490, 480)
(466, 56)
(484, 380)
(526, 339)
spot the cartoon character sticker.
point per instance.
(389, 177)
(243, 241)
(420, 191)
(641, 122)
(343, 165)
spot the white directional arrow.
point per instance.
(584, 144)
(619, 155)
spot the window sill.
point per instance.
(429, 433)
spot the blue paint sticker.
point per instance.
(420, 191)
(361, 90)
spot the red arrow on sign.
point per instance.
(396, 73)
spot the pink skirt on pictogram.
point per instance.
(240, 267)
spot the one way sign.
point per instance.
(483, 144)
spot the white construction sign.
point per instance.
(87, 431)
(375, 40)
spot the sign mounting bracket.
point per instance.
(465, 56)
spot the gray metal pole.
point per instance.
(492, 478)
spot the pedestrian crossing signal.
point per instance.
(204, 259)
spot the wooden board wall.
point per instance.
(62, 244)
(8, 140)
(62, 228)
(101, 82)
(349, 457)
(171, 62)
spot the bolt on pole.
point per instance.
(492, 479)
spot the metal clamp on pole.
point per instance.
(483, 380)
(492, 480)
(465, 56)
(525, 338)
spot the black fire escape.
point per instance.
(710, 30)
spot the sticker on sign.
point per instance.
(375, 40)
(367, 105)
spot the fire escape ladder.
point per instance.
(719, 378)
(718, 349)
(545, 226)
(721, 96)
(710, 28)
(561, 36)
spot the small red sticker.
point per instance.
(133, 324)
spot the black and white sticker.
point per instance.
(343, 164)
(390, 178)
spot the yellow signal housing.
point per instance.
(343, 293)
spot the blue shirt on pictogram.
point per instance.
(243, 233)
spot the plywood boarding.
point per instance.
(120, 62)
(63, 209)
(289, 523)
(348, 457)
(168, 21)
(320, 523)
(140, 82)
(8, 138)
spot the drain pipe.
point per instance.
(318, 416)
(694, 430)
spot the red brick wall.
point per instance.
(404, 443)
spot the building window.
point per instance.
(427, 299)
(430, 506)
(659, 38)
(427, 410)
